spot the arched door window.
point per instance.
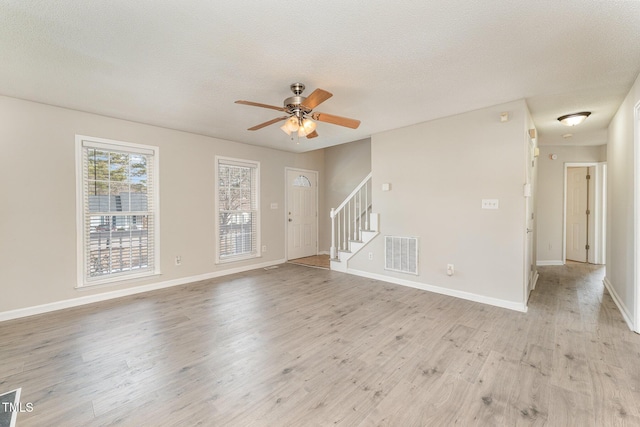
(302, 181)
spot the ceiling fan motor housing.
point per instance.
(297, 88)
(292, 105)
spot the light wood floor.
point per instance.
(320, 261)
(302, 346)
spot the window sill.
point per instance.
(238, 258)
(116, 281)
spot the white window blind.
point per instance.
(238, 216)
(119, 210)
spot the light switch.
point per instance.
(490, 204)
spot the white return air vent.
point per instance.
(401, 254)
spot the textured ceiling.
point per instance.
(182, 64)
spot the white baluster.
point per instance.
(344, 230)
(332, 251)
(339, 235)
(360, 215)
(349, 222)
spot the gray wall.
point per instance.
(621, 196)
(38, 212)
(439, 172)
(550, 203)
(345, 167)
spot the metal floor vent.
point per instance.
(401, 254)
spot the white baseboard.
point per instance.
(616, 299)
(89, 299)
(323, 253)
(536, 276)
(511, 305)
(549, 262)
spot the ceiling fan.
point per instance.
(300, 113)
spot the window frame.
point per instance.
(82, 141)
(230, 161)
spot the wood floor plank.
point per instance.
(568, 408)
(487, 400)
(570, 367)
(613, 401)
(305, 346)
(529, 401)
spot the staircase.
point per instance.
(353, 225)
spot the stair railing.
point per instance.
(351, 217)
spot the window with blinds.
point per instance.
(118, 218)
(238, 216)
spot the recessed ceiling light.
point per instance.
(574, 118)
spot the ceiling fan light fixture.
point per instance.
(299, 110)
(574, 118)
(290, 126)
(285, 129)
(309, 126)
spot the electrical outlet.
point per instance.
(490, 204)
(264, 248)
(450, 270)
(370, 255)
(178, 260)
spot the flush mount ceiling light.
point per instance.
(574, 118)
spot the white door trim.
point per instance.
(636, 214)
(597, 215)
(286, 207)
(530, 223)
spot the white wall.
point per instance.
(345, 167)
(621, 192)
(550, 206)
(37, 212)
(439, 172)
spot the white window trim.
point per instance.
(239, 162)
(82, 281)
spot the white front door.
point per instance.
(577, 213)
(302, 213)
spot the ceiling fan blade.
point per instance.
(337, 120)
(316, 98)
(312, 135)
(270, 122)
(257, 104)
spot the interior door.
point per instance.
(591, 223)
(302, 213)
(576, 227)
